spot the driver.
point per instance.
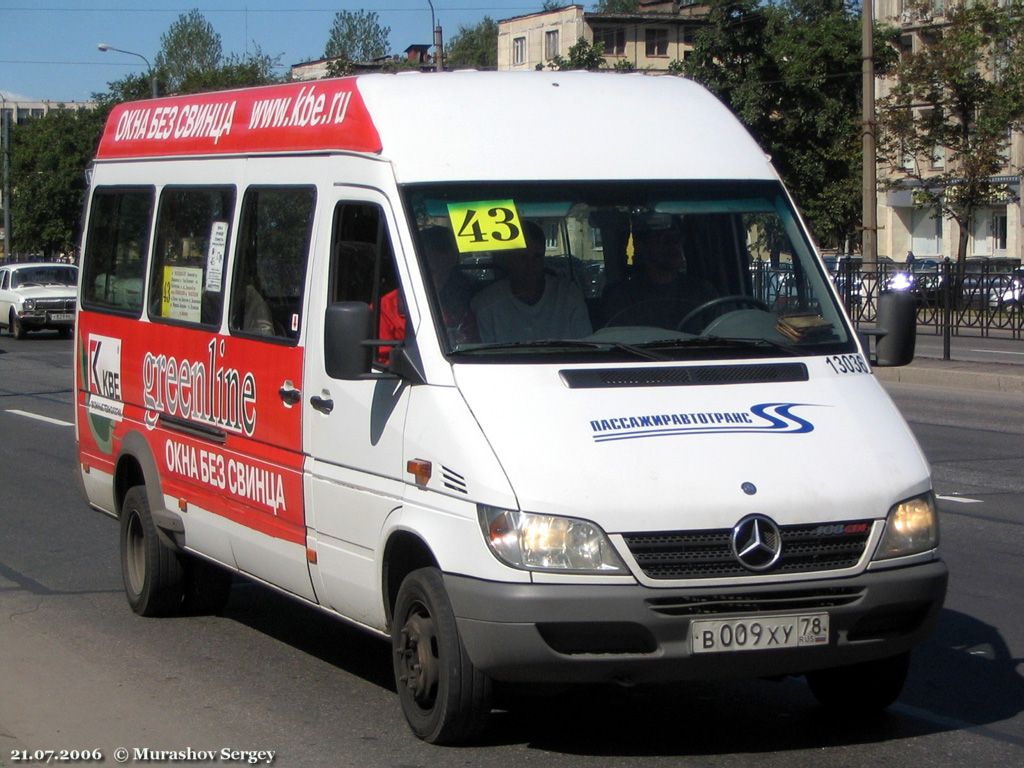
(659, 292)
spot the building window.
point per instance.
(926, 232)
(988, 232)
(656, 41)
(551, 44)
(519, 50)
(613, 39)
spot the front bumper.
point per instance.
(636, 634)
(42, 320)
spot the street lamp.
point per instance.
(438, 44)
(152, 75)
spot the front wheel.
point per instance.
(15, 327)
(152, 570)
(444, 698)
(861, 689)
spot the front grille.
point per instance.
(756, 602)
(55, 305)
(708, 554)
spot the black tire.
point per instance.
(65, 332)
(151, 569)
(861, 689)
(444, 698)
(16, 329)
(207, 587)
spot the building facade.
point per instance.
(648, 40)
(905, 227)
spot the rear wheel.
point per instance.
(152, 570)
(444, 698)
(861, 689)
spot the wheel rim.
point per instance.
(135, 554)
(419, 664)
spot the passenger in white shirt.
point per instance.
(529, 304)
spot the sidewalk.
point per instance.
(934, 372)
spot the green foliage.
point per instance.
(791, 72)
(958, 96)
(188, 49)
(617, 6)
(582, 55)
(357, 36)
(474, 47)
(49, 156)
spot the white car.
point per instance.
(38, 296)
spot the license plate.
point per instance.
(62, 316)
(761, 633)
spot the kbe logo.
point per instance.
(105, 367)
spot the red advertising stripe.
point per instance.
(296, 117)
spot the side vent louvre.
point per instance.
(684, 376)
(453, 480)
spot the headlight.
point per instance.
(29, 305)
(912, 527)
(547, 542)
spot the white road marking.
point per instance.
(998, 351)
(38, 417)
(960, 499)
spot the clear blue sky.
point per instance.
(48, 47)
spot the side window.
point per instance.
(193, 231)
(270, 262)
(3, 280)
(363, 269)
(116, 245)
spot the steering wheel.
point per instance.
(738, 298)
(640, 312)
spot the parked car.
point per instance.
(1008, 291)
(37, 296)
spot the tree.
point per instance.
(475, 46)
(49, 155)
(582, 55)
(791, 72)
(255, 68)
(617, 6)
(357, 36)
(188, 49)
(957, 98)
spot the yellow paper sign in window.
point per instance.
(486, 225)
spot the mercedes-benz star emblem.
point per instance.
(757, 542)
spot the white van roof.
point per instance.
(461, 126)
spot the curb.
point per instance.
(1008, 379)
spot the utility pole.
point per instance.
(5, 143)
(869, 204)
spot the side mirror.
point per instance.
(897, 329)
(348, 325)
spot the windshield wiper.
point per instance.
(721, 342)
(603, 346)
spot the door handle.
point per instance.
(322, 404)
(290, 394)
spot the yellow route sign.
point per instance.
(486, 225)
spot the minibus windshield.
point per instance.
(641, 270)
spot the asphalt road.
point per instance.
(78, 670)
